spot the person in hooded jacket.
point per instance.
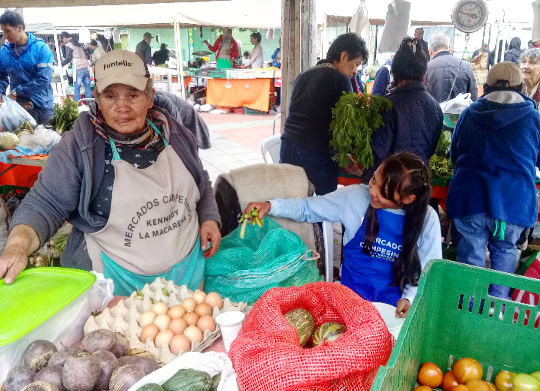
(495, 148)
(414, 123)
(514, 51)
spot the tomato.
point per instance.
(423, 388)
(430, 375)
(478, 385)
(536, 374)
(524, 382)
(461, 387)
(503, 381)
(466, 369)
(449, 381)
(492, 386)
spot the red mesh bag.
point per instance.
(267, 356)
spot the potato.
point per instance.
(121, 346)
(37, 354)
(60, 357)
(107, 363)
(101, 339)
(51, 374)
(80, 372)
(126, 376)
(40, 386)
(147, 364)
(18, 377)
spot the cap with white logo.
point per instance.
(121, 67)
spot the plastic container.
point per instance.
(388, 313)
(264, 74)
(249, 111)
(43, 303)
(442, 326)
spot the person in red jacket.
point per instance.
(225, 47)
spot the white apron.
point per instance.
(153, 228)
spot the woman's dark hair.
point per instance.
(257, 36)
(405, 174)
(14, 19)
(163, 46)
(410, 61)
(350, 43)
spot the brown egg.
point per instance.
(160, 308)
(177, 326)
(193, 333)
(147, 318)
(189, 304)
(149, 331)
(203, 309)
(191, 318)
(162, 322)
(179, 343)
(199, 296)
(163, 338)
(206, 322)
(214, 300)
(176, 312)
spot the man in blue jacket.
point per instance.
(495, 148)
(26, 65)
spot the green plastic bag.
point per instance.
(267, 257)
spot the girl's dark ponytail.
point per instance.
(406, 174)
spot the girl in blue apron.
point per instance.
(390, 230)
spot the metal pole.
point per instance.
(59, 62)
(180, 67)
(129, 38)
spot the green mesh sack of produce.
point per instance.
(267, 257)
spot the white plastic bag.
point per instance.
(8, 140)
(102, 293)
(398, 20)
(13, 115)
(211, 362)
(359, 20)
(42, 136)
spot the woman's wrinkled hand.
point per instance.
(402, 308)
(210, 233)
(262, 207)
(12, 262)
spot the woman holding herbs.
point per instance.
(306, 136)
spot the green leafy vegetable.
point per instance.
(354, 119)
(64, 115)
(440, 164)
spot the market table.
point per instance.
(22, 171)
(251, 93)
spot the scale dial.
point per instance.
(469, 16)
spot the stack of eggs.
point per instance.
(182, 324)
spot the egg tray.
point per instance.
(124, 317)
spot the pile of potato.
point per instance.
(103, 363)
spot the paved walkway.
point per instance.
(236, 141)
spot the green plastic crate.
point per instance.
(438, 330)
(249, 111)
(220, 73)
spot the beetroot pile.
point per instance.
(102, 364)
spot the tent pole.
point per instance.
(180, 67)
(59, 61)
(129, 38)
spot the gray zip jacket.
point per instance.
(71, 180)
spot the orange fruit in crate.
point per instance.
(449, 381)
(423, 388)
(430, 375)
(466, 369)
(461, 387)
(478, 385)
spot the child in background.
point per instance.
(390, 230)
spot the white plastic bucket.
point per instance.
(388, 313)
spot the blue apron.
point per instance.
(371, 276)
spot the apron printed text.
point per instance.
(384, 249)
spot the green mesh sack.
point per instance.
(267, 257)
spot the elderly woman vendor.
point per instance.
(129, 179)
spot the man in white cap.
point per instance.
(495, 148)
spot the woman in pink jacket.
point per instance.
(226, 49)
